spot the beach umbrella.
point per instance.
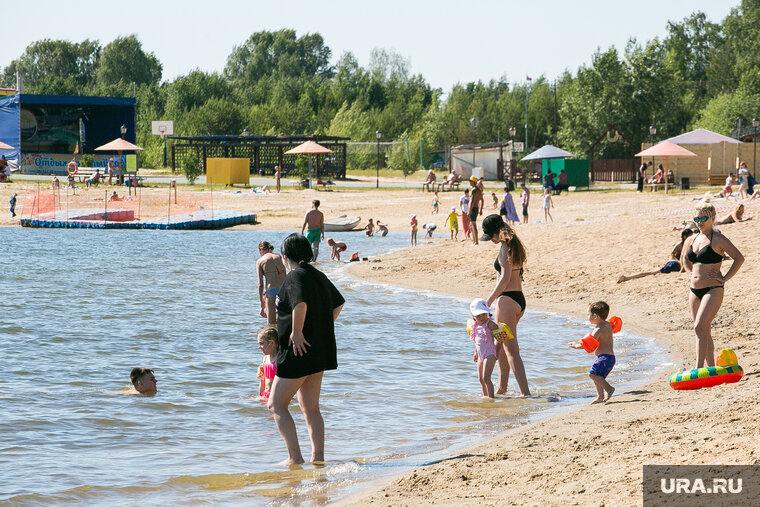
(4, 146)
(119, 145)
(665, 149)
(308, 148)
(546, 152)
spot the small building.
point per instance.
(263, 152)
(492, 157)
(46, 131)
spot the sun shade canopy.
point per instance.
(702, 136)
(665, 149)
(308, 147)
(118, 145)
(547, 151)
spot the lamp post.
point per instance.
(755, 124)
(652, 132)
(378, 134)
(512, 132)
(474, 122)
(121, 167)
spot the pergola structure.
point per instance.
(264, 152)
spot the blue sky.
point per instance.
(445, 41)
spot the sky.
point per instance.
(448, 42)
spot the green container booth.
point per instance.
(577, 170)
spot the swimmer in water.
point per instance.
(270, 268)
(143, 381)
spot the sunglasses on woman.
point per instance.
(701, 219)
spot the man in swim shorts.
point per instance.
(314, 224)
(476, 207)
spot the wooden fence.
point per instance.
(614, 170)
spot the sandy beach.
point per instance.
(593, 455)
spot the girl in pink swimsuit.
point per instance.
(269, 345)
(485, 351)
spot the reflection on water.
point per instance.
(81, 308)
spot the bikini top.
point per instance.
(706, 254)
(497, 267)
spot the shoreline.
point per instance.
(373, 488)
(649, 424)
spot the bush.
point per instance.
(86, 161)
(191, 166)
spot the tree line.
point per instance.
(701, 74)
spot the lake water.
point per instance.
(81, 308)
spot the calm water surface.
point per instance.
(81, 308)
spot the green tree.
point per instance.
(214, 117)
(193, 90)
(690, 45)
(54, 66)
(279, 54)
(191, 166)
(124, 61)
(742, 32)
(723, 112)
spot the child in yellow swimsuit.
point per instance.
(453, 222)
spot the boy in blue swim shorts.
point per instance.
(605, 356)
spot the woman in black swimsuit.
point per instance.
(510, 302)
(702, 256)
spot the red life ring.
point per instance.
(68, 168)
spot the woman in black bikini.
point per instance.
(510, 302)
(702, 256)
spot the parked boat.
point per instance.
(341, 223)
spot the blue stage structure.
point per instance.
(46, 131)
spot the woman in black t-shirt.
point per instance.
(307, 306)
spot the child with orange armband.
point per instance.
(269, 344)
(599, 341)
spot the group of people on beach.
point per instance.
(472, 203)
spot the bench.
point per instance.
(655, 186)
(717, 179)
(85, 173)
(452, 187)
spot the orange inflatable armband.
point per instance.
(617, 323)
(589, 343)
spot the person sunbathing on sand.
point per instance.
(733, 217)
(605, 356)
(671, 266)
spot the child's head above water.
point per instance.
(479, 310)
(269, 341)
(330, 242)
(599, 310)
